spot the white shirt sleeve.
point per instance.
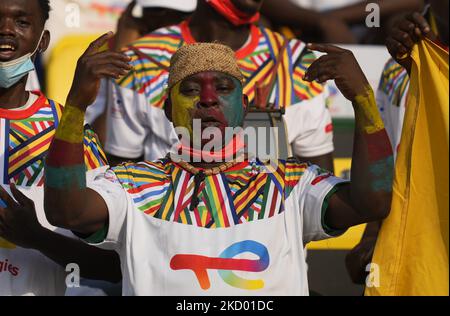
(315, 186)
(127, 127)
(97, 108)
(106, 184)
(310, 128)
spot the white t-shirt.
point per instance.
(26, 272)
(137, 125)
(25, 136)
(265, 219)
(392, 95)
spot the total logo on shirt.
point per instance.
(6, 266)
(225, 264)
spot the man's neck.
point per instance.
(207, 25)
(14, 97)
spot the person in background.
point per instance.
(141, 17)
(176, 222)
(33, 253)
(334, 21)
(273, 67)
(392, 95)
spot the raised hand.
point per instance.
(92, 66)
(18, 221)
(404, 35)
(341, 66)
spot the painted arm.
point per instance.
(20, 226)
(368, 197)
(68, 201)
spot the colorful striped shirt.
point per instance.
(25, 138)
(256, 59)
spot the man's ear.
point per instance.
(168, 109)
(45, 42)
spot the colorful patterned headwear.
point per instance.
(200, 57)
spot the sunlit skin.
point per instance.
(215, 98)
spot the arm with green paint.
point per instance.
(68, 201)
(368, 197)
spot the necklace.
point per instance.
(200, 176)
(207, 172)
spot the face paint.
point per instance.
(182, 108)
(367, 111)
(380, 155)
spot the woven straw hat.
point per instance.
(200, 57)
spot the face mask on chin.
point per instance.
(228, 10)
(12, 71)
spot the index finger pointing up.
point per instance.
(325, 48)
(98, 43)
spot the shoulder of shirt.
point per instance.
(300, 60)
(166, 39)
(287, 173)
(394, 82)
(159, 46)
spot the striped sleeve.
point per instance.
(94, 156)
(304, 90)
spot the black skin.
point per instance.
(209, 26)
(409, 30)
(333, 26)
(403, 36)
(21, 25)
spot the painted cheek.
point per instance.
(234, 107)
(183, 106)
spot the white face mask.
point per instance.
(12, 71)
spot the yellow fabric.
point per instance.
(412, 248)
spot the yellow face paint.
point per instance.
(367, 112)
(182, 107)
(71, 126)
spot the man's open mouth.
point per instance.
(210, 122)
(7, 51)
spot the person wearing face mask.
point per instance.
(273, 68)
(34, 254)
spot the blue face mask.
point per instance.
(12, 71)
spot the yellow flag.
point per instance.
(412, 247)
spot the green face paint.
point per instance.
(233, 107)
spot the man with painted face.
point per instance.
(34, 254)
(214, 227)
(136, 124)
